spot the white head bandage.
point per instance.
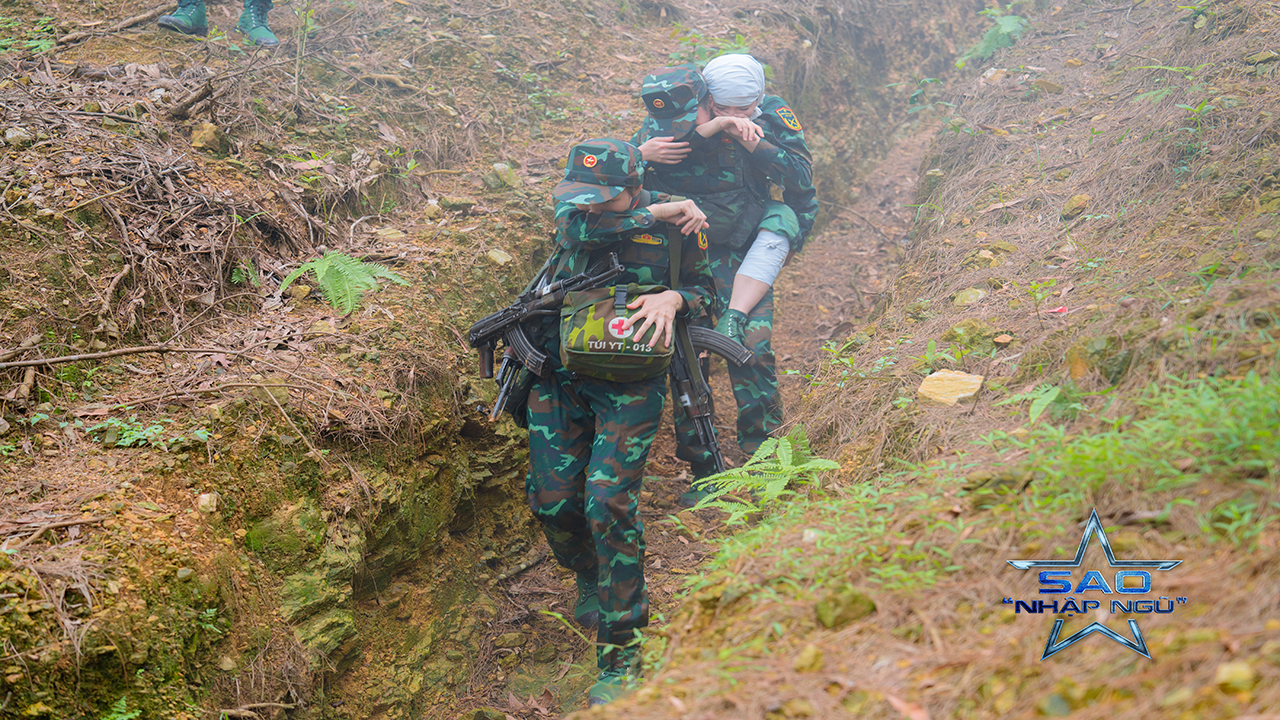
(735, 80)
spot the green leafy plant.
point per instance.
(766, 478)
(699, 49)
(933, 357)
(35, 38)
(120, 710)
(919, 98)
(1004, 33)
(246, 272)
(1038, 291)
(343, 279)
(131, 432)
(1045, 396)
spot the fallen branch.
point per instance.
(23, 346)
(54, 526)
(122, 25)
(110, 354)
(183, 108)
(247, 711)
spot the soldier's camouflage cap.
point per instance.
(672, 95)
(598, 171)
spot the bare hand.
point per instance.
(657, 310)
(685, 213)
(664, 150)
(740, 129)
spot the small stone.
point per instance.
(432, 212)
(1053, 706)
(184, 573)
(843, 607)
(498, 257)
(226, 664)
(1074, 63)
(1003, 340)
(510, 640)
(5, 427)
(298, 291)
(1237, 676)
(1261, 57)
(319, 328)
(1265, 235)
(507, 175)
(544, 654)
(210, 138)
(949, 387)
(18, 137)
(459, 204)
(1048, 86)
(969, 296)
(811, 659)
(1076, 205)
(208, 503)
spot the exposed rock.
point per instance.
(298, 291)
(510, 640)
(432, 212)
(319, 328)
(1262, 57)
(498, 257)
(208, 503)
(1237, 676)
(544, 654)
(1074, 63)
(459, 204)
(968, 296)
(185, 573)
(18, 137)
(305, 594)
(1003, 340)
(210, 138)
(841, 607)
(810, 659)
(1047, 86)
(950, 387)
(1076, 205)
(328, 633)
(226, 664)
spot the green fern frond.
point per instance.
(768, 477)
(342, 279)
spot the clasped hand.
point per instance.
(658, 309)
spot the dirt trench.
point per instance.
(313, 513)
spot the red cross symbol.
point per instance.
(618, 327)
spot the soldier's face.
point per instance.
(744, 111)
(621, 203)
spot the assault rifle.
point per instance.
(508, 325)
(690, 386)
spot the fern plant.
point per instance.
(765, 479)
(342, 279)
(120, 710)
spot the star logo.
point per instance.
(619, 329)
(590, 161)
(658, 104)
(1094, 528)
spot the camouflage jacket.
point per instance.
(718, 166)
(642, 248)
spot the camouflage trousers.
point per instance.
(588, 443)
(755, 385)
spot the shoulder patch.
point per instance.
(646, 239)
(788, 118)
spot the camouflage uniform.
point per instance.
(731, 186)
(589, 438)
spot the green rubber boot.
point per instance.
(616, 680)
(188, 19)
(586, 612)
(253, 23)
(734, 324)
